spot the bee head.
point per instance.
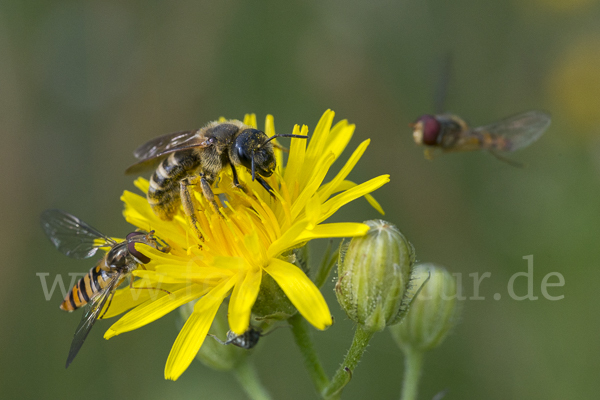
(426, 130)
(253, 150)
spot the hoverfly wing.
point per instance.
(91, 314)
(519, 130)
(71, 236)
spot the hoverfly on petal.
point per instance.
(450, 133)
(76, 239)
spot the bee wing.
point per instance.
(519, 130)
(71, 236)
(149, 152)
(91, 314)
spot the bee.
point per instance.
(197, 157)
(246, 340)
(76, 239)
(450, 133)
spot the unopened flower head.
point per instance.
(374, 275)
(432, 313)
(249, 242)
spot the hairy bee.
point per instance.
(76, 239)
(197, 157)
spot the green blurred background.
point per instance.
(84, 83)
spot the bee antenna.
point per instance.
(253, 169)
(286, 135)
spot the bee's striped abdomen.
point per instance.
(86, 288)
(163, 194)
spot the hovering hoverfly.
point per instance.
(450, 133)
(76, 239)
(197, 157)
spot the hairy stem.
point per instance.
(303, 338)
(344, 372)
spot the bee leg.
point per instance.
(208, 193)
(236, 182)
(188, 203)
(266, 186)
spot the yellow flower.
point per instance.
(245, 243)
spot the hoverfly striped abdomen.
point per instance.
(86, 288)
(163, 194)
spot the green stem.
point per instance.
(304, 341)
(344, 373)
(246, 375)
(413, 360)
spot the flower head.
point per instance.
(374, 276)
(248, 240)
(432, 314)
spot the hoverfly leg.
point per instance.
(148, 288)
(208, 194)
(188, 203)
(507, 160)
(428, 153)
(112, 294)
(266, 186)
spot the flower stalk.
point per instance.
(344, 373)
(246, 375)
(413, 360)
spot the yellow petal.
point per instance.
(341, 229)
(334, 204)
(242, 299)
(283, 243)
(303, 294)
(297, 152)
(250, 120)
(194, 331)
(127, 298)
(326, 190)
(338, 138)
(346, 184)
(319, 138)
(153, 310)
(313, 184)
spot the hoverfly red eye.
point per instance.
(132, 250)
(132, 235)
(431, 129)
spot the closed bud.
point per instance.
(433, 312)
(374, 275)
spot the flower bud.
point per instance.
(213, 354)
(432, 313)
(374, 275)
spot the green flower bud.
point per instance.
(272, 303)
(213, 354)
(432, 313)
(374, 275)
